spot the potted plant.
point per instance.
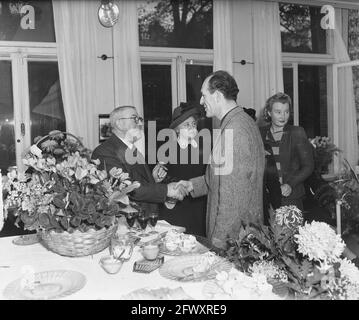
(65, 197)
(324, 150)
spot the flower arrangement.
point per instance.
(307, 258)
(324, 150)
(64, 190)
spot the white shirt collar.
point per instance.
(183, 143)
(126, 142)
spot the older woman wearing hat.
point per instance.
(191, 212)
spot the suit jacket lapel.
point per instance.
(140, 169)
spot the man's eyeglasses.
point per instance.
(135, 118)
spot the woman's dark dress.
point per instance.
(191, 212)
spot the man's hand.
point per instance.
(176, 191)
(187, 185)
(286, 190)
(159, 172)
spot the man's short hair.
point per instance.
(114, 115)
(223, 82)
(278, 97)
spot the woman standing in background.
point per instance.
(289, 156)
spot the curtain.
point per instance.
(75, 23)
(348, 134)
(127, 65)
(222, 40)
(222, 35)
(267, 52)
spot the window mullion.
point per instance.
(174, 81)
(18, 109)
(181, 82)
(295, 94)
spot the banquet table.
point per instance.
(16, 259)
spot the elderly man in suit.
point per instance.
(117, 150)
(234, 187)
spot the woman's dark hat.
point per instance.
(184, 111)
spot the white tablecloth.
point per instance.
(99, 284)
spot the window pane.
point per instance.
(46, 108)
(353, 49)
(313, 100)
(181, 24)
(7, 133)
(195, 75)
(301, 30)
(353, 34)
(11, 28)
(157, 97)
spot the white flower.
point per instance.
(349, 271)
(319, 242)
(288, 216)
(35, 150)
(80, 173)
(269, 269)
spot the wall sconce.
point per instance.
(108, 13)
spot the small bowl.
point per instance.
(110, 264)
(150, 251)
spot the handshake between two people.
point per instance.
(179, 190)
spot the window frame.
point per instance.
(19, 54)
(177, 58)
(294, 59)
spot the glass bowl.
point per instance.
(110, 264)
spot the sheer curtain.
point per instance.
(127, 65)
(222, 40)
(267, 52)
(76, 45)
(222, 35)
(347, 125)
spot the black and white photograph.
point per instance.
(104, 127)
(180, 152)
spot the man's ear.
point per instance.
(218, 96)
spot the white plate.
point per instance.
(26, 240)
(181, 268)
(48, 285)
(198, 249)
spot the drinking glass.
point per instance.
(119, 244)
(131, 219)
(142, 220)
(153, 217)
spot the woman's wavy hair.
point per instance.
(278, 97)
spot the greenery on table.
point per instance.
(309, 255)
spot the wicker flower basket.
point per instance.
(77, 244)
